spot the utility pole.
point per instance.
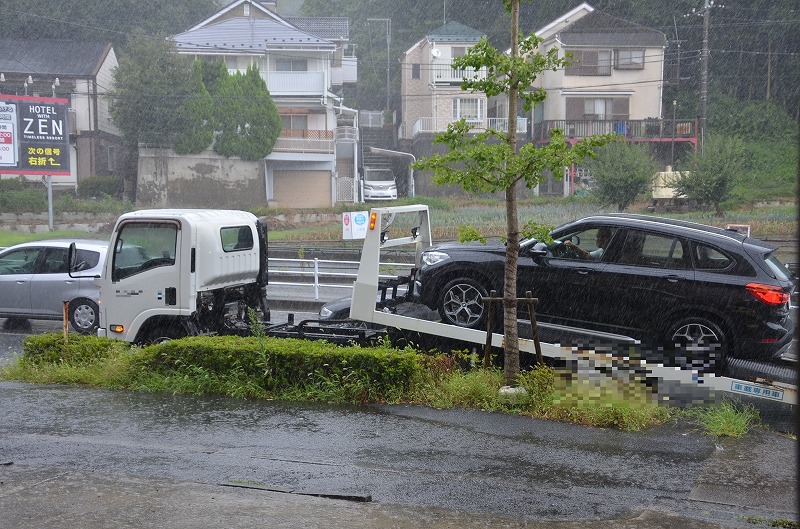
(388, 22)
(705, 11)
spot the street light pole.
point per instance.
(388, 22)
(674, 105)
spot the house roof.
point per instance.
(335, 28)
(455, 32)
(600, 29)
(243, 34)
(236, 3)
(52, 57)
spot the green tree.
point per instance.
(622, 172)
(151, 84)
(490, 161)
(713, 175)
(195, 123)
(248, 120)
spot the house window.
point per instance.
(470, 109)
(112, 158)
(291, 65)
(598, 108)
(415, 71)
(294, 121)
(629, 60)
(589, 62)
(458, 51)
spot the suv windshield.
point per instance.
(777, 267)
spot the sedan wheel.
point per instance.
(462, 304)
(83, 315)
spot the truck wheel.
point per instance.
(461, 303)
(83, 315)
(165, 333)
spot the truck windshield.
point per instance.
(141, 246)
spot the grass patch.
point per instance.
(730, 418)
(301, 370)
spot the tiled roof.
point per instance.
(241, 34)
(455, 32)
(51, 57)
(326, 27)
(600, 29)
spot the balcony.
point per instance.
(305, 141)
(346, 73)
(445, 74)
(296, 83)
(650, 130)
(432, 125)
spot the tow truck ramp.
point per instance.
(394, 226)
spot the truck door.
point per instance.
(145, 272)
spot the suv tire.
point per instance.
(700, 332)
(461, 303)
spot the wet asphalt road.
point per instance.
(458, 460)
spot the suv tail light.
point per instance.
(768, 294)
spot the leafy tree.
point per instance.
(622, 172)
(490, 161)
(151, 84)
(195, 125)
(713, 175)
(248, 120)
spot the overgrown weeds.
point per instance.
(730, 418)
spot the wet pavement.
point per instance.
(75, 457)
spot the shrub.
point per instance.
(98, 186)
(79, 349)
(279, 365)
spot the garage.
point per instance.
(302, 189)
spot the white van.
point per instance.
(378, 184)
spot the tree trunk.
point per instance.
(511, 358)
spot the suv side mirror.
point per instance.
(539, 250)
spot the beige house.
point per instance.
(304, 62)
(613, 85)
(431, 89)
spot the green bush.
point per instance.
(23, 201)
(79, 350)
(99, 186)
(279, 365)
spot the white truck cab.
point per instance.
(178, 272)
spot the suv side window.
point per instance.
(590, 244)
(709, 258)
(654, 251)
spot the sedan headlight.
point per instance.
(431, 258)
(325, 313)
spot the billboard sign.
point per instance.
(34, 137)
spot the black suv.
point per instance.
(663, 282)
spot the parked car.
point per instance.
(34, 282)
(667, 283)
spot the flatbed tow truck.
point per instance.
(412, 222)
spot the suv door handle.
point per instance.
(583, 271)
(673, 278)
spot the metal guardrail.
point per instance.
(316, 273)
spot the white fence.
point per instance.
(316, 273)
